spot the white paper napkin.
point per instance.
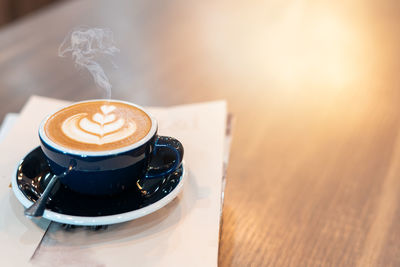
(7, 124)
(184, 233)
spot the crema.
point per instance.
(97, 126)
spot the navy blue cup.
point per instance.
(114, 171)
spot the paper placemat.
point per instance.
(184, 233)
(7, 124)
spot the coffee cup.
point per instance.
(104, 147)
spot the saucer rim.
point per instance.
(99, 220)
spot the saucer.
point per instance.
(66, 206)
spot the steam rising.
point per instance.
(87, 45)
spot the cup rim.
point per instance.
(46, 140)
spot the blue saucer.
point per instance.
(66, 206)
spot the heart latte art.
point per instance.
(102, 128)
(98, 125)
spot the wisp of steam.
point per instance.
(87, 45)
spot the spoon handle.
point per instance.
(37, 208)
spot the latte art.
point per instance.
(98, 125)
(103, 128)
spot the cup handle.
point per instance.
(166, 158)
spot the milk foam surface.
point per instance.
(102, 128)
(98, 125)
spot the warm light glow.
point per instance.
(292, 45)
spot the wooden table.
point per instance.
(314, 177)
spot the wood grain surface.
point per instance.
(314, 176)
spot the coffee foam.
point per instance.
(97, 126)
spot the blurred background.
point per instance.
(11, 10)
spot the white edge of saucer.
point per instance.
(100, 220)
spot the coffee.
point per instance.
(98, 125)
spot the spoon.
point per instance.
(37, 208)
